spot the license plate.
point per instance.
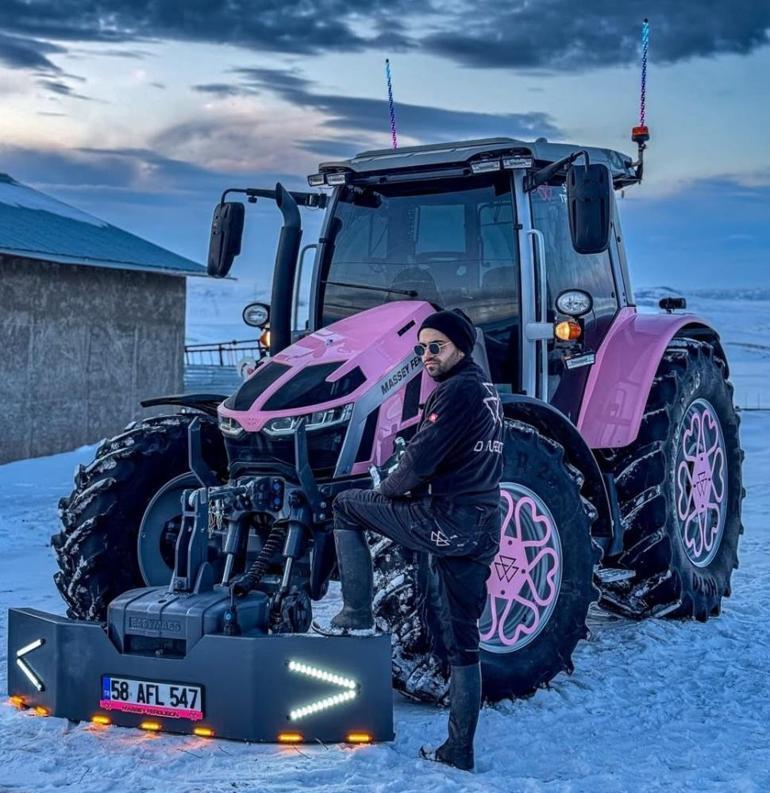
(149, 698)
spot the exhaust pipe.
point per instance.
(285, 270)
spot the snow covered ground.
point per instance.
(653, 706)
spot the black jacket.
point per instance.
(457, 451)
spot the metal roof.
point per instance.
(36, 226)
(444, 154)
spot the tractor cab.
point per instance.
(519, 236)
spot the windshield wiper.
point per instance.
(407, 292)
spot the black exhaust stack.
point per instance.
(285, 270)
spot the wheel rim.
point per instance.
(701, 483)
(159, 530)
(526, 574)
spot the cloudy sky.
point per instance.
(143, 111)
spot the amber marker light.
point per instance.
(41, 711)
(204, 732)
(264, 339)
(290, 737)
(359, 737)
(569, 330)
(100, 719)
(17, 702)
(150, 726)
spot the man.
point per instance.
(441, 498)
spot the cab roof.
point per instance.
(460, 153)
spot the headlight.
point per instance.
(256, 314)
(313, 421)
(574, 302)
(230, 427)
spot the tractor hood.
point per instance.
(338, 374)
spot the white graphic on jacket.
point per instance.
(493, 403)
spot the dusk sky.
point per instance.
(143, 111)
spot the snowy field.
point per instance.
(653, 706)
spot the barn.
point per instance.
(92, 319)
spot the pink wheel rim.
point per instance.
(525, 577)
(701, 483)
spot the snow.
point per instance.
(652, 706)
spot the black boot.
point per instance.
(464, 704)
(355, 563)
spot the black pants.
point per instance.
(462, 541)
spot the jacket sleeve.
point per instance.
(445, 421)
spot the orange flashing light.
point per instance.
(359, 737)
(204, 732)
(569, 330)
(264, 339)
(17, 702)
(101, 719)
(290, 737)
(150, 726)
(41, 711)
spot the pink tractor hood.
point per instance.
(371, 358)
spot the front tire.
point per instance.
(97, 549)
(538, 593)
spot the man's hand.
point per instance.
(380, 473)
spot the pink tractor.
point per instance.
(622, 475)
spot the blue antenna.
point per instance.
(391, 106)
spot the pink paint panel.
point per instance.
(619, 382)
(368, 340)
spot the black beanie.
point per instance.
(455, 326)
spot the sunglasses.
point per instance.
(434, 348)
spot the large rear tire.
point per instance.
(538, 593)
(97, 549)
(679, 489)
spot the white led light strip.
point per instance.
(30, 675)
(322, 704)
(327, 677)
(319, 674)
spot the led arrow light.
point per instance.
(350, 689)
(25, 667)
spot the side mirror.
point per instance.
(226, 234)
(588, 205)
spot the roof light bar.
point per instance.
(515, 163)
(485, 166)
(334, 179)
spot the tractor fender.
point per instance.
(206, 403)
(553, 424)
(620, 380)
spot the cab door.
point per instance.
(549, 266)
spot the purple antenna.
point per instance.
(645, 49)
(391, 106)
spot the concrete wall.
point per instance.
(80, 346)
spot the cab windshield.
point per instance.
(453, 245)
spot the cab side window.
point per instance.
(567, 269)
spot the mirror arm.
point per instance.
(303, 199)
(544, 174)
